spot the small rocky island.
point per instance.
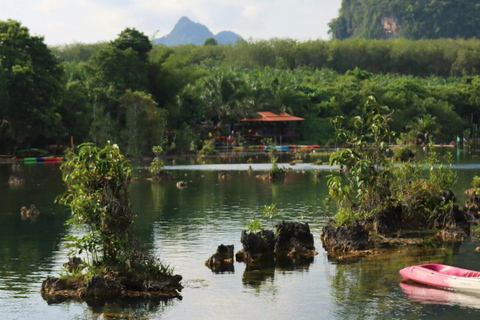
(380, 204)
(113, 261)
(291, 244)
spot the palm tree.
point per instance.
(425, 128)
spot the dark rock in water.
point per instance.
(52, 284)
(257, 248)
(453, 225)
(163, 286)
(258, 242)
(450, 219)
(223, 175)
(473, 205)
(345, 238)
(292, 244)
(389, 220)
(102, 287)
(294, 240)
(56, 290)
(222, 260)
(162, 175)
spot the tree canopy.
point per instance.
(30, 87)
(411, 19)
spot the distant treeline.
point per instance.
(423, 58)
(140, 95)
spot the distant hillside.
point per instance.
(411, 19)
(187, 31)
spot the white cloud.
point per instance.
(66, 21)
(254, 10)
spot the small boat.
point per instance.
(31, 152)
(443, 276)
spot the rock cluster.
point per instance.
(292, 241)
(222, 260)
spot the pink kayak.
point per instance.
(443, 276)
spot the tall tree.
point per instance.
(34, 86)
(135, 40)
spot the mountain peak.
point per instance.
(187, 31)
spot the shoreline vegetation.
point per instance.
(142, 95)
(379, 205)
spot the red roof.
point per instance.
(267, 116)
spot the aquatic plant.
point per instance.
(98, 198)
(157, 163)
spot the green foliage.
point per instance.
(403, 153)
(364, 161)
(145, 122)
(476, 182)
(254, 225)
(210, 42)
(30, 83)
(98, 199)
(273, 161)
(189, 85)
(268, 211)
(407, 18)
(208, 148)
(157, 163)
(266, 142)
(135, 40)
(371, 183)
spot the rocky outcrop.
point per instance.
(257, 248)
(292, 241)
(295, 241)
(452, 225)
(345, 238)
(222, 260)
(472, 206)
(102, 287)
(57, 290)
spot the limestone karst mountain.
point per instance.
(187, 31)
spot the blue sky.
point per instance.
(88, 21)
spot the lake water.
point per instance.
(184, 227)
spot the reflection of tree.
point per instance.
(128, 308)
(158, 195)
(260, 280)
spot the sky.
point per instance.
(89, 21)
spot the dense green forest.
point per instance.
(410, 19)
(140, 95)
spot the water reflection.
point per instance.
(185, 226)
(260, 280)
(429, 295)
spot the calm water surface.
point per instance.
(184, 226)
